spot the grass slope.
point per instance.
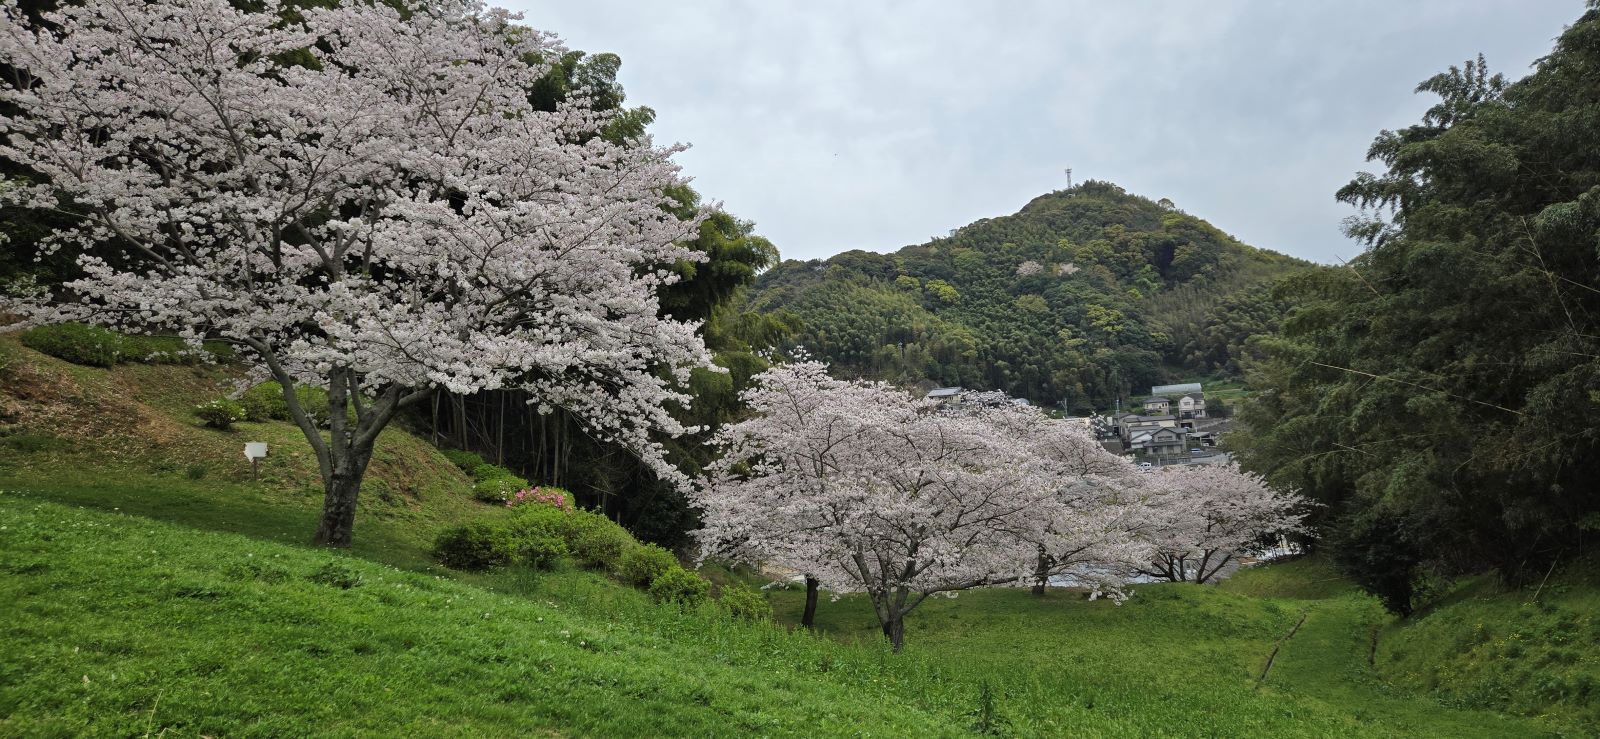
(1535, 653)
(124, 626)
(145, 597)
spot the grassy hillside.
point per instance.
(1082, 295)
(126, 438)
(146, 599)
(1535, 653)
(123, 626)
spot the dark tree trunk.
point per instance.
(895, 629)
(339, 499)
(809, 618)
(1041, 574)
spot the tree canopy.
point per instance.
(1438, 393)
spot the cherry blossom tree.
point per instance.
(866, 489)
(1099, 506)
(1203, 518)
(361, 200)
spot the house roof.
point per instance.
(1151, 419)
(1196, 396)
(1185, 388)
(1148, 401)
(944, 392)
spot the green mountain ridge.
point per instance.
(1082, 296)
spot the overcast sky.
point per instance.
(873, 125)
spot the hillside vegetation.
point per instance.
(146, 598)
(1083, 295)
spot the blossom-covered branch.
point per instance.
(363, 200)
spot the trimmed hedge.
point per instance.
(100, 347)
(77, 343)
(498, 489)
(540, 533)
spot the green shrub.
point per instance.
(485, 471)
(595, 540)
(746, 603)
(475, 546)
(540, 534)
(220, 414)
(221, 351)
(158, 350)
(467, 461)
(678, 585)
(265, 402)
(641, 565)
(495, 484)
(76, 343)
(540, 518)
(498, 489)
(540, 550)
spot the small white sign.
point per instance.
(255, 450)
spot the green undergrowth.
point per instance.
(1534, 652)
(152, 587)
(120, 625)
(1174, 660)
(123, 626)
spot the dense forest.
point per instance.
(1437, 394)
(1083, 296)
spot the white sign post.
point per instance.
(255, 451)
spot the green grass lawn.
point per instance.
(160, 591)
(119, 625)
(122, 626)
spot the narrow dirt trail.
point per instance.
(1277, 645)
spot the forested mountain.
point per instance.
(1084, 295)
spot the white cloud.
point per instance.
(838, 125)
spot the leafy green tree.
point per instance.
(1438, 392)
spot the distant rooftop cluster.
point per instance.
(957, 396)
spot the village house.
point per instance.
(1192, 405)
(1157, 440)
(1157, 404)
(1133, 422)
(1191, 399)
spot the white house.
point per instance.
(1192, 405)
(1157, 440)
